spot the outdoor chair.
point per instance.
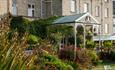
(107, 67)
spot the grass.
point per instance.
(101, 65)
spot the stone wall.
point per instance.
(3, 7)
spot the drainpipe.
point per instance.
(101, 29)
(75, 41)
(51, 8)
(79, 7)
(8, 6)
(101, 17)
(91, 6)
(84, 35)
(41, 11)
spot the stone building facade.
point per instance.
(102, 10)
(3, 7)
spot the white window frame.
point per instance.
(106, 12)
(14, 7)
(73, 6)
(106, 28)
(86, 7)
(114, 21)
(97, 8)
(106, 0)
(30, 13)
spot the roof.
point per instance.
(104, 37)
(69, 19)
(101, 37)
(75, 19)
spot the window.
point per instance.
(29, 6)
(87, 19)
(97, 11)
(106, 28)
(72, 5)
(31, 10)
(33, 6)
(96, 29)
(106, 0)
(33, 13)
(106, 12)
(14, 8)
(85, 7)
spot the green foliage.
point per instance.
(50, 61)
(107, 44)
(112, 55)
(89, 35)
(33, 39)
(66, 54)
(90, 44)
(39, 27)
(19, 24)
(59, 31)
(73, 64)
(35, 27)
(80, 33)
(42, 32)
(79, 40)
(94, 57)
(84, 57)
(12, 53)
(56, 33)
(80, 30)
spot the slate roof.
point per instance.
(68, 19)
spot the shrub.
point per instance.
(94, 57)
(12, 53)
(52, 62)
(66, 54)
(33, 39)
(112, 55)
(107, 44)
(84, 57)
(20, 24)
(90, 44)
(73, 64)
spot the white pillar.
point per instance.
(84, 35)
(41, 9)
(75, 45)
(93, 32)
(51, 7)
(99, 35)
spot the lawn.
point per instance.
(101, 65)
